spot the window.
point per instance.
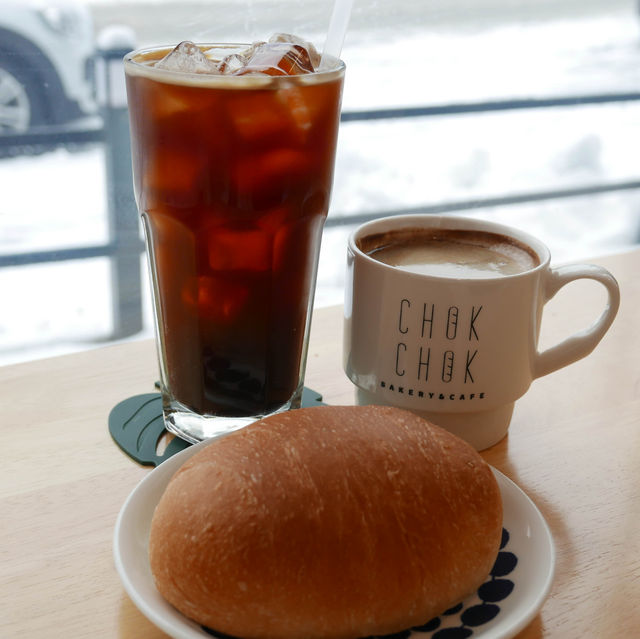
(526, 112)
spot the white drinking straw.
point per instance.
(337, 31)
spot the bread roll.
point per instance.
(327, 522)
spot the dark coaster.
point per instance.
(136, 425)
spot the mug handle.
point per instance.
(582, 343)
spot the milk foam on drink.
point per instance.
(458, 254)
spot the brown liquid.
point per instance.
(232, 177)
(450, 253)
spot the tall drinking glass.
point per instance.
(232, 177)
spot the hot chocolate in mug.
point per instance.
(443, 316)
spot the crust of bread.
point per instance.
(326, 522)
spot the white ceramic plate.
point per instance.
(504, 605)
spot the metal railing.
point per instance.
(125, 247)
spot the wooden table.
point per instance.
(573, 447)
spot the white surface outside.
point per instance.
(58, 199)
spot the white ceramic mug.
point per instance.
(458, 351)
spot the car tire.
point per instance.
(21, 101)
(20, 91)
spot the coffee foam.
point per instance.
(457, 253)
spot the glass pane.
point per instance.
(492, 142)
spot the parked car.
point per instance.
(46, 63)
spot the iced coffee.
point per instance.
(233, 153)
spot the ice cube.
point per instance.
(172, 176)
(247, 53)
(211, 298)
(232, 63)
(232, 250)
(278, 58)
(314, 56)
(291, 252)
(308, 107)
(259, 180)
(219, 299)
(298, 108)
(273, 219)
(258, 116)
(169, 230)
(188, 58)
(217, 53)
